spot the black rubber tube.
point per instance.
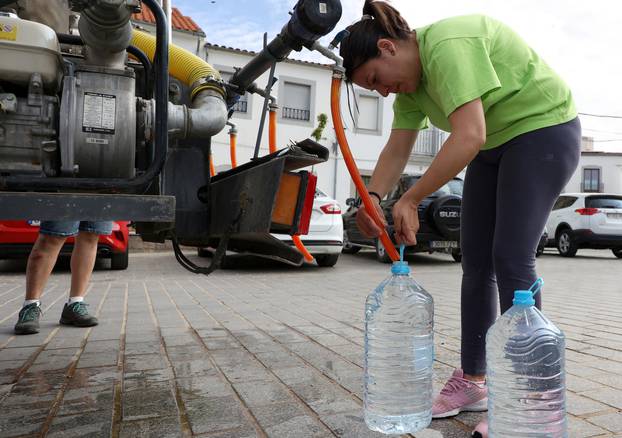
(140, 183)
(64, 38)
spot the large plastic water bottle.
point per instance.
(525, 372)
(399, 352)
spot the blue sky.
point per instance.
(242, 23)
(579, 39)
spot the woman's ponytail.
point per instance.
(380, 20)
(387, 18)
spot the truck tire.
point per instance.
(120, 261)
(617, 252)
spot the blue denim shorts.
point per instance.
(71, 228)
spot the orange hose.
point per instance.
(232, 141)
(301, 248)
(335, 95)
(212, 171)
(272, 132)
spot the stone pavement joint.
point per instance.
(268, 350)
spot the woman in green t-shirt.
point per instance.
(514, 126)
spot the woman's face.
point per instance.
(396, 70)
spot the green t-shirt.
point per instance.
(473, 56)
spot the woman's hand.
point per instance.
(366, 224)
(406, 220)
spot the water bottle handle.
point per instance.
(535, 288)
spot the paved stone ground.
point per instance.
(267, 350)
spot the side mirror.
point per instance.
(350, 202)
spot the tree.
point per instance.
(317, 132)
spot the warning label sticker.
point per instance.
(99, 113)
(8, 32)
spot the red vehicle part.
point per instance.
(17, 238)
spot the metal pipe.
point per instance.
(76, 40)
(310, 20)
(106, 31)
(166, 6)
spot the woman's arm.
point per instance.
(389, 167)
(468, 135)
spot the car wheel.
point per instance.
(326, 260)
(456, 254)
(381, 252)
(565, 245)
(348, 248)
(119, 262)
(617, 252)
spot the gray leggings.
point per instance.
(508, 194)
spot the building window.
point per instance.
(241, 106)
(296, 101)
(369, 113)
(591, 179)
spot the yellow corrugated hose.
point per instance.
(183, 65)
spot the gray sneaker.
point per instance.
(78, 315)
(28, 320)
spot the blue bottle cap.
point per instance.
(400, 268)
(523, 298)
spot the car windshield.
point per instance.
(453, 187)
(603, 202)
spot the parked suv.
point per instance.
(439, 221)
(586, 220)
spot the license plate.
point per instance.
(34, 223)
(443, 244)
(614, 215)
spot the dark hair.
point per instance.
(380, 20)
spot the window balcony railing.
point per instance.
(296, 114)
(241, 106)
(429, 142)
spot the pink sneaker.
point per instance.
(459, 395)
(481, 430)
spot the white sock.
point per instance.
(28, 302)
(75, 300)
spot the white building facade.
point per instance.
(303, 93)
(597, 172)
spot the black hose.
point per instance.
(76, 40)
(141, 182)
(144, 60)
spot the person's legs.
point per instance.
(82, 263)
(41, 261)
(532, 174)
(533, 171)
(465, 390)
(479, 287)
